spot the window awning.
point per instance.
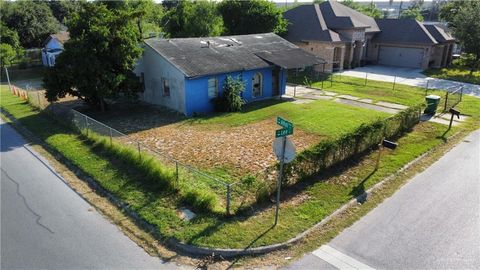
(293, 58)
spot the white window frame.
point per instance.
(212, 90)
(261, 85)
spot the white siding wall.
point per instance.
(155, 67)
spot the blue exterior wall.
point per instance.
(196, 90)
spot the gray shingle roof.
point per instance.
(338, 16)
(403, 31)
(195, 57)
(439, 33)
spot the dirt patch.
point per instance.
(244, 149)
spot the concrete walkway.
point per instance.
(410, 76)
(301, 95)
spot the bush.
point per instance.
(231, 99)
(200, 200)
(331, 152)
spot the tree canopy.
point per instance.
(412, 13)
(251, 17)
(10, 47)
(369, 10)
(98, 59)
(194, 19)
(62, 10)
(33, 21)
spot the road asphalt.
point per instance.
(46, 225)
(433, 222)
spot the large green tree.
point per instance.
(251, 17)
(10, 48)
(33, 21)
(63, 9)
(149, 16)
(412, 13)
(370, 9)
(194, 19)
(466, 29)
(98, 59)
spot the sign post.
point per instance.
(285, 152)
(384, 144)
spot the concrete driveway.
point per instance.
(410, 76)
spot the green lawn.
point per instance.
(326, 118)
(317, 199)
(454, 73)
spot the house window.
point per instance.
(257, 85)
(166, 87)
(212, 88)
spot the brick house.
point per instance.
(346, 38)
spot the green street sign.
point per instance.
(284, 123)
(286, 130)
(283, 132)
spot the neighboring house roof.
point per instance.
(338, 16)
(306, 23)
(61, 36)
(439, 33)
(214, 55)
(320, 21)
(403, 31)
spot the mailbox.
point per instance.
(389, 144)
(455, 112)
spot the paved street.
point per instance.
(46, 225)
(409, 76)
(433, 222)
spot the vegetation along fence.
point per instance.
(453, 96)
(197, 188)
(333, 151)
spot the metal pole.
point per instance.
(279, 184)
(446, 101)
(8, 79)
(366, 75)
(451, 121)
(228, 199)
(394, 81)
(176, 171)
(331, 79)
(38, 98)
(295, 91)
(426, 87)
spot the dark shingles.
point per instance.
(439, 33)
(194, 57)
(338, 16)
(403, 31)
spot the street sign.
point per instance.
(289, 153)
(286, 130)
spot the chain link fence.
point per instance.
(229, 194)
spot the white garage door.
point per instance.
(400, 56)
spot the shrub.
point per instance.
(200, 200)
(231, 99)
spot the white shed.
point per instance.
(53, 46)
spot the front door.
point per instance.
(275, 82)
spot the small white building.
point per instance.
(53, 46)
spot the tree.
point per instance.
(251, 17)
(62, 10)
(466, 29)
(369, 10)
(412, 13)
(98, 59)
(10, 47)
(149, 16)
(194, 19)
(33, 21)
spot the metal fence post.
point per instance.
(38, 98)
(446, 101)
(366, 75)
(426, 88)
(228, 199)
(295, 91)
(176, 171)
(8, 79)
(331, 79)
(394, 81)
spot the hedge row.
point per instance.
(333, 151)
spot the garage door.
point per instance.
(401, 57)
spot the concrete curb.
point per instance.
(203, 251)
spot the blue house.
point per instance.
(185, 74)
(53, 46)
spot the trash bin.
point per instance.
(432, 104)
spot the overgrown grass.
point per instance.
(456, 72)
(326, 118)
(309, 202)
